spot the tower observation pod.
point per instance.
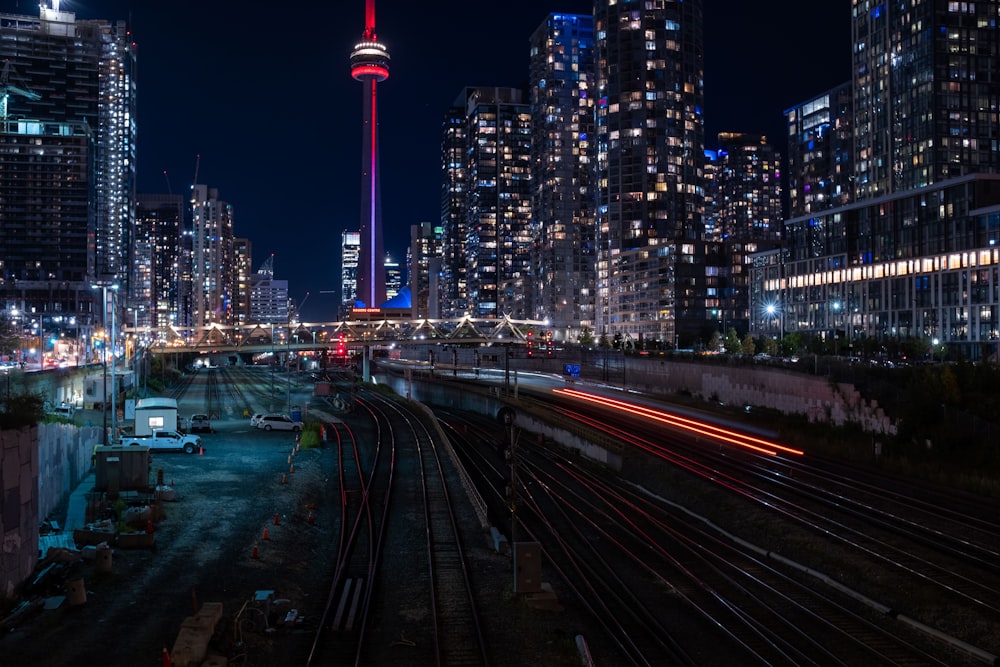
(370, 65)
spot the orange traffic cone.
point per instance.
(277, 519)
(309, 519)
(201, 451)
(165, 660)
(266, 536)
(291, 468)
(254, 554)
(284, 478)
(289, 460)
(149, 526)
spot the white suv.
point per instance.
(278, 423)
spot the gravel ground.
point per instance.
(225, 501)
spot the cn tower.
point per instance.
(370, 66)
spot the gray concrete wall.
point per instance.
(39, 468)
(789, 392)
(18, 507)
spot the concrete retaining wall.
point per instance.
(817, 398)
(19, 505)
(39, 468)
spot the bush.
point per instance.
(311, 435)
(22, 410)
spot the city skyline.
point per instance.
(294, 190)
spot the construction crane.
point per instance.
(7, 89)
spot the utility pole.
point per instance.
(106, 305)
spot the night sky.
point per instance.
(265, 97)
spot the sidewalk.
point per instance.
(76, 508)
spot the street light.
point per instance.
(836, 331)
(774, 309)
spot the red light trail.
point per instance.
(691, 425)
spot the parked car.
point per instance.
(200, 423)
(64, 410)
(255, 419)
(279, 423)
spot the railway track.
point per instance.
(768, 608)
(394, 490)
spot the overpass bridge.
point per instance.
(295, 336)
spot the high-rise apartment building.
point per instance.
(425, 255)
(496, 206)
(69, 159)
(747, 199)
(745, 196)
(564, 251)
(650, 147)
(917, 253)
(350, 248)
(242, 280)
(820, 171)
(925, 92)
(157, 260)
(211, 258)
(393, 277)
(451, 300)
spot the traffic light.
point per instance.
(531, 343)
(341, 346)
(548, 343)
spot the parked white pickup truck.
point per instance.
(166, 441)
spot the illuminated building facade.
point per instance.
(497, 200)
(425, 268)
(157, 260)
(924, 94)
(269, 303)
(744, 192)
(650, 152)
(454, 186)
(74, 135)
(564, 251)
(242, 280)
(915, 254)
(486, 204)
(211, 258)
(350, 247)
(820, 171)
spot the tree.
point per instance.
(586, 337)
(604, 341)
(715, 343)
(748, 346)
(733, 344)
(22, 410)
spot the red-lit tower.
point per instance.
(370, 65)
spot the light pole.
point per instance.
(105, 304)
(836, 330)
(772, 310)
(271, 404)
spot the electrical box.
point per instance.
(121, 468)
(527, 567)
